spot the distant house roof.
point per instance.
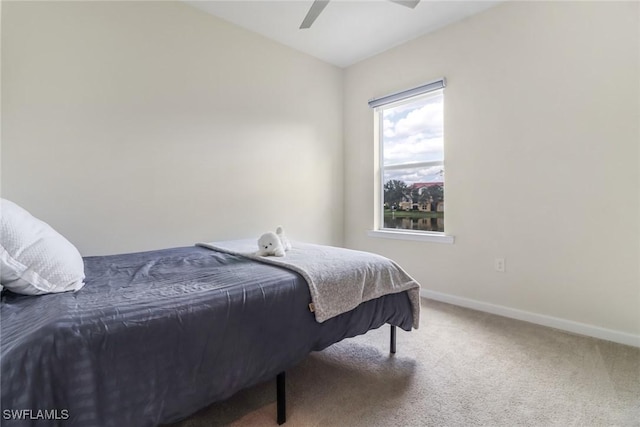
(419, 185)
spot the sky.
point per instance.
(413, 132)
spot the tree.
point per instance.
(416, 196)
(394, 191)
(435, 193)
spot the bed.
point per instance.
(152, 337)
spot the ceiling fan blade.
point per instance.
(316, 8)
(408, 3)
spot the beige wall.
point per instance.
(139, 125)
(542, 159)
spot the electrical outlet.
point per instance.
(499, 265)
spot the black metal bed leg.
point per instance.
(393, 339)
(281, 401)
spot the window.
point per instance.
(409, 127)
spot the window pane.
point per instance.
(413, 131)
(414, 199)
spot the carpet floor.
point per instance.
(460, 368)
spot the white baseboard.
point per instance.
(539, 319)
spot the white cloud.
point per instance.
(415, 148)
(427, 119)
(388, 128)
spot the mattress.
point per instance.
(154, 336)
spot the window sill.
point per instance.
(411, 235)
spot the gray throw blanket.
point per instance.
(339, 279)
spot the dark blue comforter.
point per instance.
(154, 336)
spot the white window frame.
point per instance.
(379, 104)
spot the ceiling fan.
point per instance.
(318, 6)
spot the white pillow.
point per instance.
(34, 258)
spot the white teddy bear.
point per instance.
(285, 242)
(273, 244)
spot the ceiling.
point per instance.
(347, 31)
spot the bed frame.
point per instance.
(281, 399)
